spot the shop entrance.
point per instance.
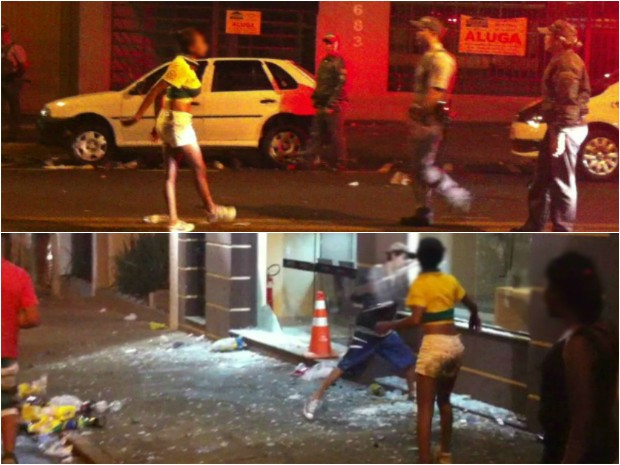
(295, 289)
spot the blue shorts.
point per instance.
(391, 347)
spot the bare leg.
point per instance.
(172, 169)
(426, 388)
(9, 433)
(445, 387)
(193, 154)
(410, 377)
(334, 376)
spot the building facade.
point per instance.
(79, 47)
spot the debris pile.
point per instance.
(51, 420)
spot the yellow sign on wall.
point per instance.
(243, 22)
(491, 36)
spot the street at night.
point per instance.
(35, 198)
(310, 232)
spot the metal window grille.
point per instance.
(503, 75)
(141, 33)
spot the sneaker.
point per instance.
(441, 457)
(181, 226)
(222, 214)
(310, 408)
(460, 199)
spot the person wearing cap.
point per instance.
(329, 98)
(434, 80)
(566, 92)
(14, 66)
(381, 292)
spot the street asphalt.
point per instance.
(115, 198)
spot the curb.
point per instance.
(87, 451)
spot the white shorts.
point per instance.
(175, 128)
(440, 356)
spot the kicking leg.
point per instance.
(193, 155)
(410, 376)
(334, 376)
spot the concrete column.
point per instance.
(230, 281)
(191, 269)
(95, 46)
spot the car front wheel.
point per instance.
(91, 143)
(282, 143)
(599, 158)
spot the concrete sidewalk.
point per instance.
(186, 404)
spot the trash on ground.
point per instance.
(177, 344)
(376, 390)
(218, 165)
(396, 395)
(65, 400)
(156, 219)
(400, 179)
(155, 326)
(131, 350)
(35, 388)
(386, 168)
(103, 310)
(130, 165)
(319, 371)
(229, 344)
(131, 317)
(300, 369)
(354, 184)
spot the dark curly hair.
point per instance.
(574, 278)
(185, 38)
(430, 253)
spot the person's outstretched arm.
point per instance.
(474, 317)
(414, 320)
(153, 95)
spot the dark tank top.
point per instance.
(554, 402)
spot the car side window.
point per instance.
(284, 80)
(142, 87)
(240, 76)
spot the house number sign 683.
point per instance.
(358, 24)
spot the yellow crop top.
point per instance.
(437, 293)
(184, 83)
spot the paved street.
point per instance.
(38, 199)
(183, 403)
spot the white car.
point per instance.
(599, 153)
(246, 102)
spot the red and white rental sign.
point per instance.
(243, 22)
(491, 36)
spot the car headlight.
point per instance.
(45, 112)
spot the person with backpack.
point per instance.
(579, 389)
(14, 66)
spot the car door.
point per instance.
(139, 134)
(240, 98)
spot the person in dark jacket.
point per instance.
(329, 98)
(579, 390)
(14, 66)
(566, 92)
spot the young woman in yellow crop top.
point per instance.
(173, 96)
(432, 298)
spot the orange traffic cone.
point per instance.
(320, 341)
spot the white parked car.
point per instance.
(246, 102)
(599, 154)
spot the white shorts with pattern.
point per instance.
(440, 356)
(175, 128)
